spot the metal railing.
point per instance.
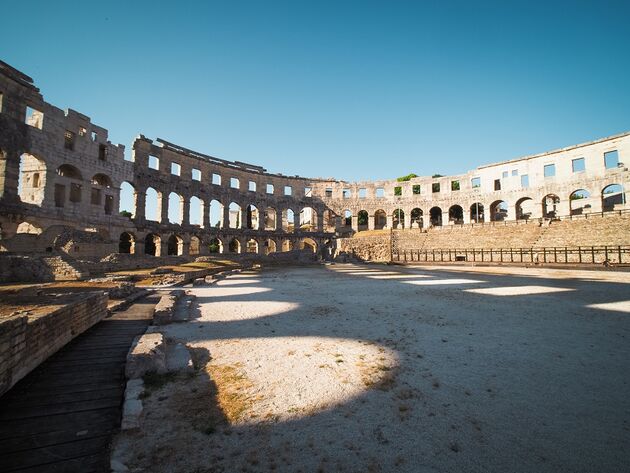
(563, 255)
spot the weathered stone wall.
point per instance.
(27, 340)
(373, 247)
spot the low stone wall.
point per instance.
(27, 340)
(373, 247)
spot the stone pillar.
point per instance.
(562, 208)
(9, 176)
(205, 218)
(284, 222)
(537, 209)
(511, 212)
(355, 223)
(407, 219)
(466, 216)
(226, 217)
(319, 219)
(140, 199)
(163, 208)
(138, 247)
(163, 249)
(185, 211)
(370, 222)
(426, 221)
(339, 223)
(390, 221)
(186, 248)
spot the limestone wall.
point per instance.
(27, 340)
(373, 247)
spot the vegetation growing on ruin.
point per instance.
(406, 178)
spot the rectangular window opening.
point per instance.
(504, 175)
(514, 172)
(216, 179)
(363, 193)
(251, 186)
(234, 183)
(454, 185)
(109, 204)
(75, 192)
(96, 197)
(82, 131)
(435, 187)
(68, 140)
(416, 189)
(308, 192)
(329, 192)
(475, 182)
(154, 162)
(103, 151)
(176, 169)
(611, 159)
(524, 181)
(550, 170)
(497, 184)
(60, 195)
(577, 165)
(288, 190)
(196, 174)
(346, 193)
(34, 118)
(270, 189)
(398, 191)
(94, 136)
(380, 192)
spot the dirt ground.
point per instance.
(370, 368)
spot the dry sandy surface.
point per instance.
(370, 368)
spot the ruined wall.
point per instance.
(374, 247)
(27, 340)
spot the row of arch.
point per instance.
(579, 201)
(174, 245)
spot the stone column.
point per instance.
(163, 208)
(390, 221)
(355, 223)
(319, 218)
(562, 208)
(426, 221)
(226, 216)
(511, 211)
(466, 216)
(185, 211)
(140, 199)
(205, 219)
(9, 176)
(370, 222)
(186, 248)
(407, 219)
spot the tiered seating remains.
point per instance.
(608, 230)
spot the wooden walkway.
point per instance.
(62, 416)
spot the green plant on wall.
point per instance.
(406, 178)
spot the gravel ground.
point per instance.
(370, 368)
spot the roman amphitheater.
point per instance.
(166, 310)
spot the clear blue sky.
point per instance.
(354, 90)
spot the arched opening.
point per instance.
(234, 219)
(398, 219)
(153, 205)
(309, 244)
(32, 180)
(524, 208)
(456, 214)
(128, 202)
(288, 220)
(380, 220)
(477, 213)
(102, 180)
(152, 244)
(175, 245)
(252, 218)
(362, 220)
(215, 246)
(100, 185)
(126, 243)
(612, 196)
(216, 214)
(498, 211)
(270, 219)
(252, 246)
(195, 245)
(308, 220)
(71, 186)
(579, 202)
(435, 214)
(347, 218)
(234, 246)
(195, 216)
(287, 245)
(416, 218)
(175, 208)
(329, 220)
(270, 246)
(550, 206)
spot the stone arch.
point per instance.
(216, 214)
(398, 218)
(175, 208)
(524, 208)
(380, 219)
(288, 220)
(287, 245)
(175, 245)
(308, 244)
(347, 218)
(270, 246)
(69, 171)
(234, 246)
(251, 246)
(579, 201)
(153, 205)
(271, 219)
(195, 212)
(102, 180)
(477, 213)
(252, 217)
(234, 215)
(329, 219)
(550, 204)
(456, 214)
(435, 214)
(215, 245)
(416, 218)
(612, 195)
(152, 245)
(308, 219)
(128, 199)
(32, 179)
(498, 211)
(362, 220)
(127, 243)
(195, 246)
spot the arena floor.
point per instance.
(373, 368)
